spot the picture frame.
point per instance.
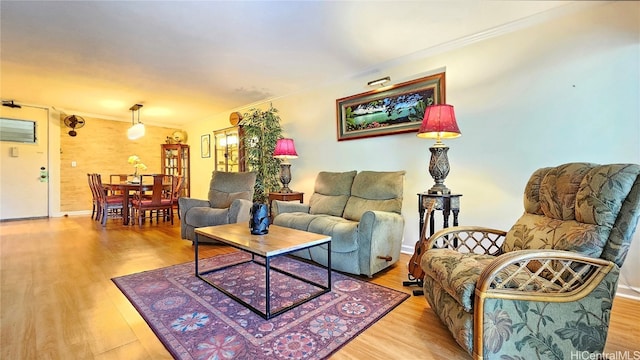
(205, 146)
(389, 110)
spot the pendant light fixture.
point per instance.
(136, 131)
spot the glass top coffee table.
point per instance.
(279, 241)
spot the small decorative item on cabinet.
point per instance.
(179, 136)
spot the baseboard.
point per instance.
(72, 213)
(628, 292)
(405, 249)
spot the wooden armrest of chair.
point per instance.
(468, 239)
(576, 283)
(542, 275)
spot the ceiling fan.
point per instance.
(73, 122)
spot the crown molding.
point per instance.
(507, 28)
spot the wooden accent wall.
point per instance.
(102, 146)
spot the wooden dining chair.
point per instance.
(176, 192)
(98, 192)
(172, 192)
(171, 189)
(109, 205)
(94, 197)
(113, 178)
(119, 178)
(157, 200)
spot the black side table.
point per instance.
(449, 203)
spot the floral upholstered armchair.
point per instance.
(545, 288)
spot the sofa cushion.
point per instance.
(331, 192)
(225, 187)
(295, 220)
(375, 190)
(457, 273)
(344, 233)
(540, 232)
(571, 207)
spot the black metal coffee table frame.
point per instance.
(268, 313)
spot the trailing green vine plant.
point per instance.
(261, 132)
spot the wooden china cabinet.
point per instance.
(175, 161)
(228, 149)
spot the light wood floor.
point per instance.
(57, 300)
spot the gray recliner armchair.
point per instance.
(229, 201)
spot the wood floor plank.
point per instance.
(57, 300)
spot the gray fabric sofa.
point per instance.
(361, 213)
(229, 201)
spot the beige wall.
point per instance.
(564, 90)
(102, 146)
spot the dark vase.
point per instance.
(259, 221)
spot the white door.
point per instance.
(24, 188)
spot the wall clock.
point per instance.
(179, 136)
(235, 118)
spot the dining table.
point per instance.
(129, 188)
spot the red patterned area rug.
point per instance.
(195, 321)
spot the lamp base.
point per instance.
(439, 190)
(285, 177)
(439, 168)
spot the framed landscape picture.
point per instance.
(390, 110)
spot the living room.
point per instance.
(561, 90)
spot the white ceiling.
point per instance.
(190, 60)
